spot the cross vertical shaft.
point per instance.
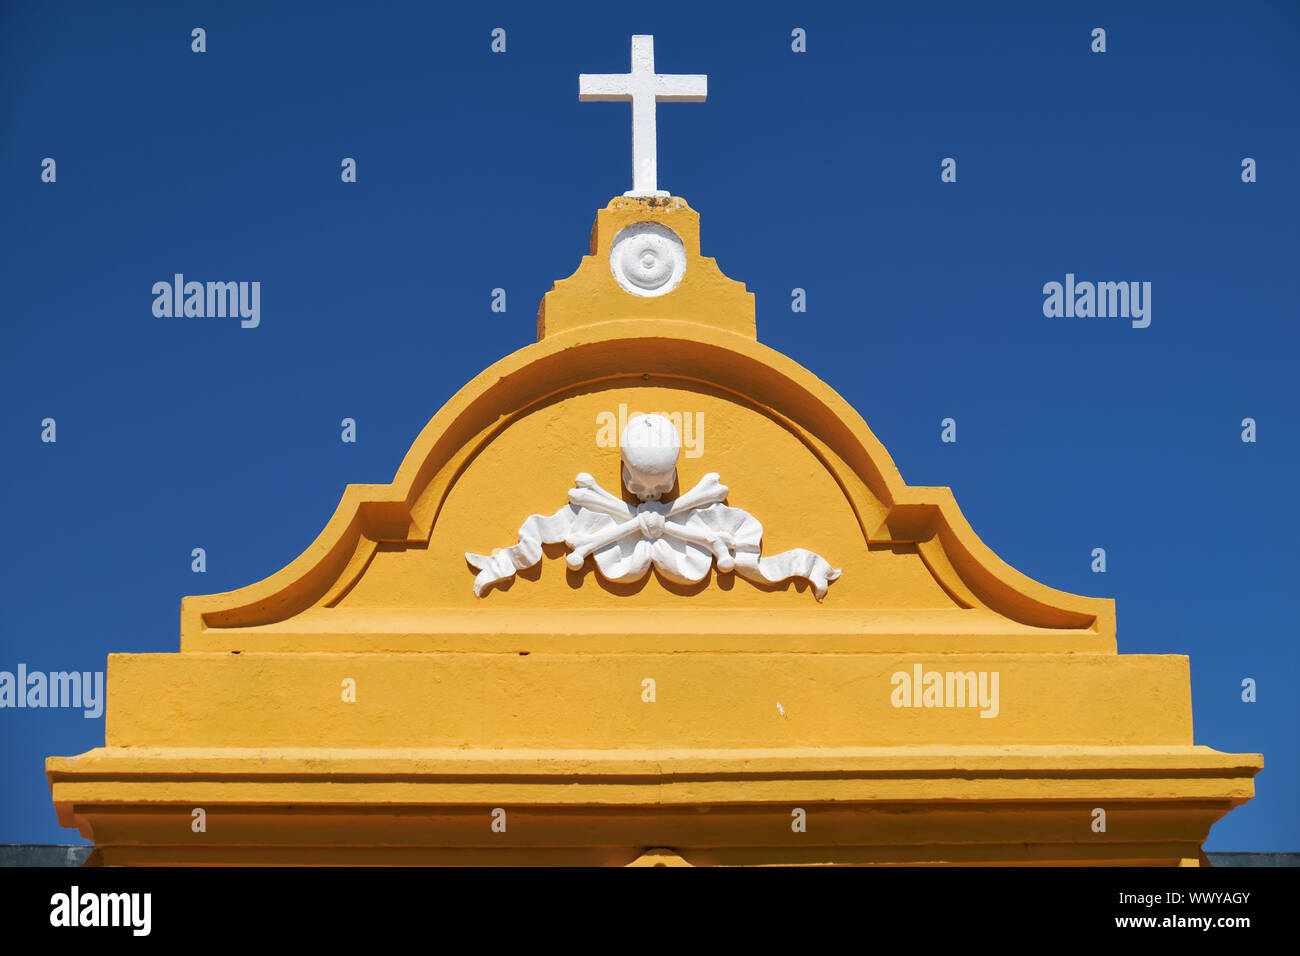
(645, 140)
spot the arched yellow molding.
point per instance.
(663, 351)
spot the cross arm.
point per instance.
(681, 87)
(603, 87)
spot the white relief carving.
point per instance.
(647, 259)
(681, 538)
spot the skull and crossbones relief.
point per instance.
(681, 538)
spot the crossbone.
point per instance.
(649, 520)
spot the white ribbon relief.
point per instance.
(681, 538)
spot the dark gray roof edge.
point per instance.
(1254, 859)
(44, 854)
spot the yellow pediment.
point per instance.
(389, 572)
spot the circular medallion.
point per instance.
(647, 259)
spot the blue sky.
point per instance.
(817, 170)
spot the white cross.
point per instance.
(643, 87)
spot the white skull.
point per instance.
(650, 448)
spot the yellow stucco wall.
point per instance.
(532, 699)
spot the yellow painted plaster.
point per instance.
(532, 699)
